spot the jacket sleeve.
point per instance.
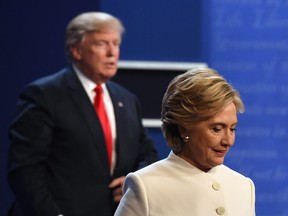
(30, 136)
(253, 211)
(134, 202)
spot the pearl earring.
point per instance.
(185, 138)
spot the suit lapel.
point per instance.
(121, 123)
(83, 104)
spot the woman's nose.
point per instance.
(228, 138)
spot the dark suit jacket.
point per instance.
(57, 159)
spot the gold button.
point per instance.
(216, 186)
(220, 210)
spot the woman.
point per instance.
(199, 118)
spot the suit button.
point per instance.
(220, 210)
(216, 186)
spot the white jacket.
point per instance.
(174, 187)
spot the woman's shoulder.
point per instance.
(230, 174)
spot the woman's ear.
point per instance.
(182, 131)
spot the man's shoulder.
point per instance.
(119, 89)
(52, 78)
(52, 84)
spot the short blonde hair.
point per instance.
(195, 96)
(79, 26)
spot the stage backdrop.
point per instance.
(246, 41)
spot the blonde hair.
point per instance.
(79, 26)
(194, 96)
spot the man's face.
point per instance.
(97, 55)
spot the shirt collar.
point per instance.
(88, 84)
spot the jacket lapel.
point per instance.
(83, 104)
(120, 118)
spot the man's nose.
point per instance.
(111, 49)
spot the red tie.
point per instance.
(100, 109)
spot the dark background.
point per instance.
(246, 41)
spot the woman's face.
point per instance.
(210, 140)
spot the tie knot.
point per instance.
(98, 89)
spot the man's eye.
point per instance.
(116, 43)
(100, 43)
(233, 130)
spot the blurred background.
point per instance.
(246, 41)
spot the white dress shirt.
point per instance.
(89, 87)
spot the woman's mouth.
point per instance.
(220, 153)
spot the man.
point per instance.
(58, 159)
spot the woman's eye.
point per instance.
(217, 129)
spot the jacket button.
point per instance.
(216, 186)
(220, 210)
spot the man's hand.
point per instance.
(117, 185)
